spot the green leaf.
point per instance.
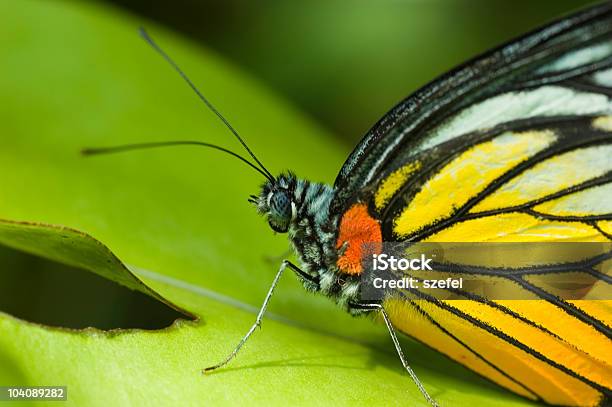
(76, 249)
(76, 75)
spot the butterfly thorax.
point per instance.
(301, 209)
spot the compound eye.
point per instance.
(280, 205)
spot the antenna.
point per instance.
(141, 146)
(208, 104)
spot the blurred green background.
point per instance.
(347, 62)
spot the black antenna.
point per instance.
(139, 146)
(157, 48)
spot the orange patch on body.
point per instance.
(356, 228)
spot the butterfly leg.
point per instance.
(381, 309)
(283, 266)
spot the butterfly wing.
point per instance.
(540, 180)
(516, 146)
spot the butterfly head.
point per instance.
(277, 203)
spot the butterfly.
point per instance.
(512, 146)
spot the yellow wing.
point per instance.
(544, 182)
